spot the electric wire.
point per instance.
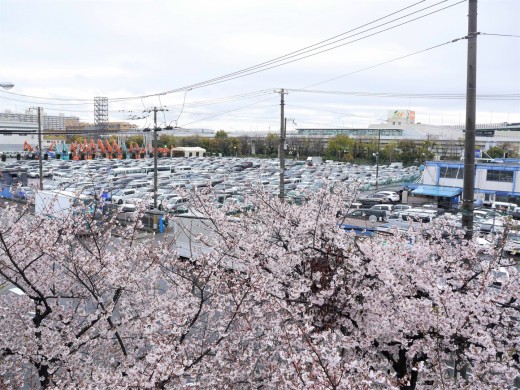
(225, 112)
(326, 111)
(439, 96)
(511, 96)
(40, 104)
(383, 63)
(219, 100)
(246, 72)
(182, 108)
(254, 69)
(163, 111)
(500, 35)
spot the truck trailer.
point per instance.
(58, 204)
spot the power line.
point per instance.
(501, 35)
(512, 96)
(251, 70)
(283, 60)
(91, 102)
(383, 63)
(328, 111)
(226, 112)
(219, 100)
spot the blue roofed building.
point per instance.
(495, 180)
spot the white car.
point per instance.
(119, 196)
(391, 195)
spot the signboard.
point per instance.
(406, 116)
(478, 153)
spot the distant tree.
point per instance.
(244, 148)
(501, 151)
(191, 141)
(409, 153)
(136, 139)
(221, 134)
(390, 152)
(168, 140)
(272, 143)
(77, 138)
(340, 147)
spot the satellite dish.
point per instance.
(372, 218)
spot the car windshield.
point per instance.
(514, 237)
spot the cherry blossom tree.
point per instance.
(279, 297)
(336, 310)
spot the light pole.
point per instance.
(235, 149)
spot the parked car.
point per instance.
(516, 213)
(368, 214)
(512, 243)
(388, 208)
(168, 202)
(374, 199)
(391, 195)
(419, 214)
(119, 196)
(402, 207)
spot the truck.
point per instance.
(314, 160)
(194, 234)
(58, 204)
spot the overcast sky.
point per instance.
(79, 49)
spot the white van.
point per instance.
(388, 208)
(183, 168)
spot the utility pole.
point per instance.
(469, 139)
(40, 163)
(40, 157)
(283, 124)
(155, 130)
(155, 158)
(377, 158)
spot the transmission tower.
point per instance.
(101, 115)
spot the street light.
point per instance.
(6, 85)
(235, 148)
(376, 155)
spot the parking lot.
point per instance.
(126, 181)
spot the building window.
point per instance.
(452, 173)
(503, 176)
